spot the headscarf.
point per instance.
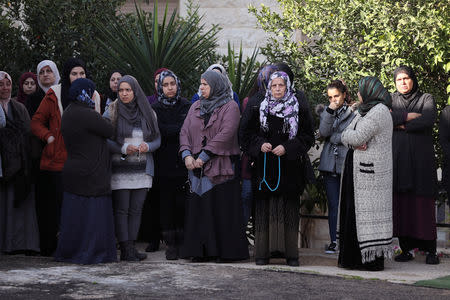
(264, 77)
(161, 96)
(137, 113)
(224, 73)
(157, 72)
(410, 72)
(110, 94)
(286, 107)
(21, 96)
(81, 91)
(372, 92)
(218, 95)
(4, 103)
(52, 66)
(65, 81)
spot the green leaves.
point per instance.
(242, 73)
(143, 46)
(347, 39)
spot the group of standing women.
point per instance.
(88, 176)
(379, 171)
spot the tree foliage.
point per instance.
(142, 46)
(242, 72)
(33, 30)
(355, 38)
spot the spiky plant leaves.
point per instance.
(142, 46)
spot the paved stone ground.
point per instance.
(23, 277)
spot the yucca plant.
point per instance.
(242, 73)
(142, 46)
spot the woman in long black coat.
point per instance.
(415, 179)
(278, 143)
(170, 172)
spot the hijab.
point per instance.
(287, 107)
(264, 77)
(81, 91)
(415, 89)
(161, 96)
(4, 103)
(21, 96)
(137, 113)
(219, 93)
(110, 94)
(52, 66)
(224, 73)
(372, 92)
(65, 81)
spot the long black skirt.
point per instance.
(87, 230)
(349, 251)
(214, 224)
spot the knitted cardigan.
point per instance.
(372, 180)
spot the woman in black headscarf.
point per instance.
(136, 136)
(365, 217)
(171, 174)
(111, 94)
(87, 226)
(415, 179)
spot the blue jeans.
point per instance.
(247, 195)
(332, 185)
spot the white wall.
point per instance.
(236, 22)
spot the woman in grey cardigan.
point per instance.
(136, 136)
(365, 218)
(333, 120)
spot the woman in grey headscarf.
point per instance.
(221, 70)
(209, 147)
(136, 137)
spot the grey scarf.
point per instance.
(137, 113)
(219, 93)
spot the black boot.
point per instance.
(126, 252)
(171, 243)
(140, 256)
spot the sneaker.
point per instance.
(432, 259)
(404, 257)
(332, 248)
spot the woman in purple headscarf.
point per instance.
(277, 142)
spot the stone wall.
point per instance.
(234, 19)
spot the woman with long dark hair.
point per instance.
(333, 120)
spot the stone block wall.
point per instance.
(237, 24)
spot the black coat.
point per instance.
(168, 162)
(87, 170)
(444, 139)
(414, 159)
(294, 163)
